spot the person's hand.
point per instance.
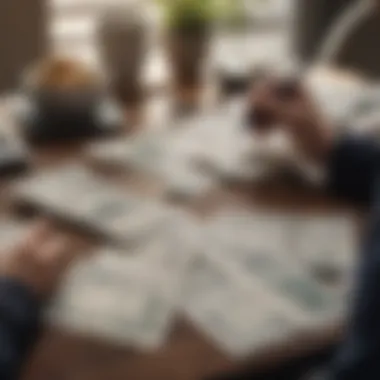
(40, 261)
(287, 104)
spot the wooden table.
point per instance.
(188, 355)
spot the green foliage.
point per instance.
(232, 12)
(193, 13)
(200, 13)
(188, 13)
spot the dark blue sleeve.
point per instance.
(19, 320)
(352, 168)
(354, 174)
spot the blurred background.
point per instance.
(267, 38)
(81, 83)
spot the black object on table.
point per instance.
(56, 117)
(13, 157)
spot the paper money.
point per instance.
(197, 155)
(154, 155)
(213, 144)
(129, 299)
(144, 152)
(183, 181)
(263, 247)
(237, 316)
(95, 302)
(76, 194)
(326, 245)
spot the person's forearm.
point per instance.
(19, 322)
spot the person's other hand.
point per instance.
(287, 104)
(39, 261)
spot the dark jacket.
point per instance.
(354, 173)
(19, 320)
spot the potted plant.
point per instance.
(188, 24)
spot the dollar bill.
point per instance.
(238, 316)
(326, 246)
(183, 157)
(184, 181)
(263, 247)
(259, 231)
(154, 155)
(145, 152)
(78, 195)
(128, 297)
(112, 307)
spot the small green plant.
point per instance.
(188, 13)
(201, 13)
(232, 13)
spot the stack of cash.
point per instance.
(152, 156)
(238, 315)
(192, 158)
(309, 240)
(144, 152)
(77, 195)
(130, 299)
(246, 280)
(256, 282)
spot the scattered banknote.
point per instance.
(151, 154)
(260, 231)
(240, 317)
(144, 152)
(76, 194)
(276, 250)
(192, 158)
(129, 299)
(216, 142)
(327, 246)
(185, 182)
(108, 299)
(11, 233)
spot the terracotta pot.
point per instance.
(187, 51)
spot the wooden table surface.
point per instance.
(187, 355)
